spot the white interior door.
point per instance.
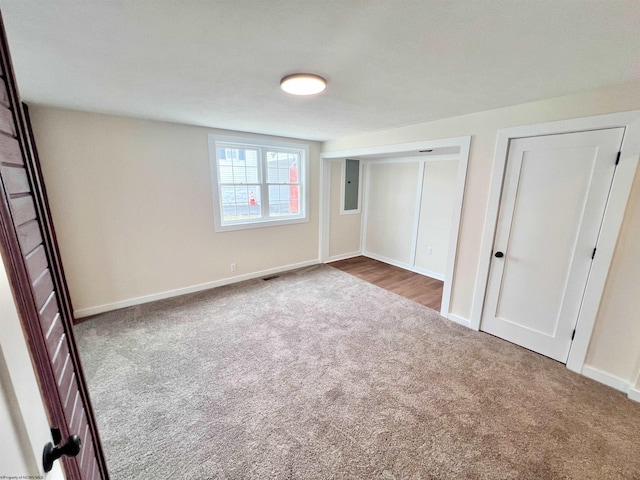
(553, 200)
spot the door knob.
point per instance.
(499, 254)
(71, 448)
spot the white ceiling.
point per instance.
(388, 63)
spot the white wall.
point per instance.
(617, 324)
(344, 230)
(132, 206)
(436, 211)
(616, 334)
(24, 427)
(390, 205)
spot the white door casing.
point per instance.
(553, 200)
(396, 151)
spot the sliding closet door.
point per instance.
(29, 249)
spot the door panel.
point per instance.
(554, 195)
(23, 419)
(27, 243)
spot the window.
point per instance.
(257, 183)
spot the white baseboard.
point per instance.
(85, 312)
(458, 319)
(634, 393)
(606, 378)
(342, 256)
(406, 266)
(428, 273)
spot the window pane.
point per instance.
(284, 200)
(282, 175)
(274, 194)
(228, 195)
(252, 174)
(294, 200)
(294, 174)
(251, 158)
(238, 165)
(241, 203)
(272, 175)
(255, 202)
(283, 160)
(274, 200)
(239, 173)
(226, 173)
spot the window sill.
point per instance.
(259, 224)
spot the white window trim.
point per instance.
(257, 142)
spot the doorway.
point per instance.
(553, 200)
(412, 240)
(618, 195)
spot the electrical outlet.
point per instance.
(234, 267)
(429, 250)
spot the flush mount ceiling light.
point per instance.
(303, 84)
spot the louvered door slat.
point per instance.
(42, 288)
(10, 148)
(23, 209)
(36, 263)
(48, 313)
(15, 179)
(7, 124)
(29, 236)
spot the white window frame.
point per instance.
(265, 220)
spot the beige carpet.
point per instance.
(317, 374)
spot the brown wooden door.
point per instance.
(30, 252)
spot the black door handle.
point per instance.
(499, 254)
(71, 448)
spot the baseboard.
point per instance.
(634, 394)
(428, 273)
(606, 378)
(85, 312)
(458, 319)
(403, 265)
(343, 256)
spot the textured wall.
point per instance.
(344, 230)
(131, 201)
(436, 210)
(391, 207)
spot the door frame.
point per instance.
(611, 223)
(463, 143)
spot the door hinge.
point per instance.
(573, 335)
(618, 158)
(593, 255)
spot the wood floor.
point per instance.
(424, 290)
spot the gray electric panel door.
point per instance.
(351, 184)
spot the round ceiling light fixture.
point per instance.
(303, 84)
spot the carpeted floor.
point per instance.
(317, 374)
